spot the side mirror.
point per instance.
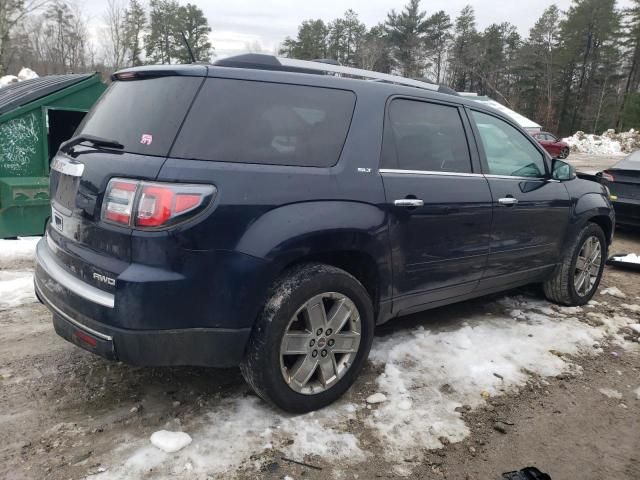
(562, 170)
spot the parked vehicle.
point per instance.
(552, 144)
(260, 212)
(623, 181)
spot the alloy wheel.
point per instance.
(587, 266)
(320, 343)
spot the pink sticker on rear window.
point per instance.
(146, 139)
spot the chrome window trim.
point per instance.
(456, 174)
(93, 332)
(71, 283)
(515, 178)
(428, 172)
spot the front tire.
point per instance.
(564, 153)
(311, 340)
(576, 279)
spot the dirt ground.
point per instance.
(592, 163)
(64, 413)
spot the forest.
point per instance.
(577, 69)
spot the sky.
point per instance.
(239, 23)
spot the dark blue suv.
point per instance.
(269, 212)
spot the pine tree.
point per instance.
(159, 42)
(310, 44)
(406, 35)
(135, 24)
(438, 35)
(464, 52)
(191, 23)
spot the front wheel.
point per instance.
(577, 278)
(564, 153)
(311, 340)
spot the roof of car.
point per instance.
(270, 68)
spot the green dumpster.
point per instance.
(36, 116)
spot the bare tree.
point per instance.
(114, 36)
(12, 12)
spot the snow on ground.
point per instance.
(429, 372)
(629, 258)
(610, 393)
(609, 143)
(614, 292)
(12, 251)
(16, 288)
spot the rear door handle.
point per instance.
(408, 202)
(507, 201)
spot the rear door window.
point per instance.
(143, 115)
(266, 123)
(425, 136)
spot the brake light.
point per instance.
(608, 177)
(153, 204)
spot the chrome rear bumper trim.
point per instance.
(68, 281)
(49, 304)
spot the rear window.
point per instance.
(143, 115)
(266, 123)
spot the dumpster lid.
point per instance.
(18, 94)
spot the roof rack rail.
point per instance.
(271, 62)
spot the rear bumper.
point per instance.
(209, 347)
(627, 211)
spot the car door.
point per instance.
(438, 202)
(531, 211)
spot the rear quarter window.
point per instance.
(266, 123)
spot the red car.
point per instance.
(552, 144)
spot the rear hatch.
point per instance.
(140, 118)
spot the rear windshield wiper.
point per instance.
(92, 139)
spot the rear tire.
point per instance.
(291, 321)
(576, 279)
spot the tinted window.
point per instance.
(508, 151)
(425, 136)
(143, 115)
(267, 123)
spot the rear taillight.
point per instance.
(153, 204)
(608, 177)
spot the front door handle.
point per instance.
(408, 202)
(507, 201)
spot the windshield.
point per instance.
(143, 115)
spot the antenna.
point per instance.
(184, 38)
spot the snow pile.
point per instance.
(25, 74)
(429, 373)
(170, 442)
(16, 288)
(609, 143)
(16, 251)
(629, 258)
(8, 79)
